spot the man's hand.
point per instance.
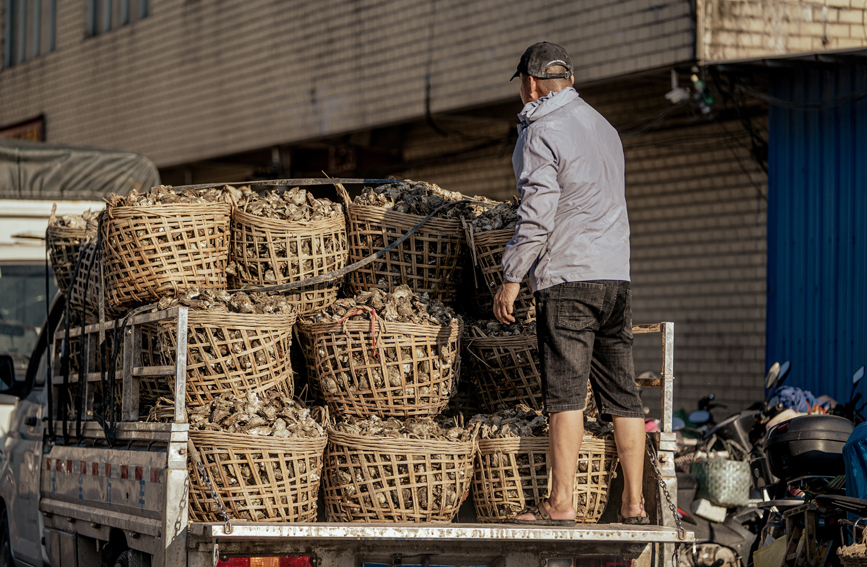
(504, 302)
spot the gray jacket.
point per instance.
(572, 223)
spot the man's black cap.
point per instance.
(539, 56)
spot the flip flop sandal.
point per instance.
(540, 511)
(633, 521)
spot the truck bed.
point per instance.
(344, 545)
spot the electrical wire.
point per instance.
(792, 105)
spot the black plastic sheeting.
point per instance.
(33, 170)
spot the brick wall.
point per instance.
(198, 80)
(697, 212)
(735, 29)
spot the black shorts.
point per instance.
(585, 331)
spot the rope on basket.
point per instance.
(362, 309)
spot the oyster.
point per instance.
(221, 301)
(295, 205)
(501, 216)
(421, 198)
(167, 195)
(401, 306)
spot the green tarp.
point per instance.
(33, 170)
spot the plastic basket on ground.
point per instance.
(511, 474)
(269, 251)
(506, 370)
(487, 249)
(430, 261)
(256, 478)
(63, 244)
(159, 250)
(386, 369)
(233, 353)
(380, 479)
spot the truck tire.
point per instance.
(5, 544)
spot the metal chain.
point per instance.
(223, 512)
(681, 533)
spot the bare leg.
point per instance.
(629, 435)
(565, 433)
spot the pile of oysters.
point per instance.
(272, 414)
(221, 301)
(501, 216)
(421, 198)
(294, 205)
(493, 328)
(427, 428)
(166, 195)
(399, 306)
(521, 421)
(72, 221)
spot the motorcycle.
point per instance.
(728, 542)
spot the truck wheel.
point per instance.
(5, 545)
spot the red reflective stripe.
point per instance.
(69, 465)
(124, 472)
(83, 467)
(139, 473)
(48, 464)
(107, 470)
(94, 469)
(155, 474)
(58, 465)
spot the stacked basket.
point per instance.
(159, 251)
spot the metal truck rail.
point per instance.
(132, 486)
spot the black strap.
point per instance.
(49, 349)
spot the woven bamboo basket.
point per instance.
(256, 478)
(292, 251)
(506, 370)
(380, 479)
(63, 244)
(430, 261)
(151, 252)
(487, 249)
(235, 353)
(385, 369)
(305, 338)
(854, 555)
(511, 474)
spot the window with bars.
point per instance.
(30, 28)
(106, 15)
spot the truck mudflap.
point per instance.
(501, 545)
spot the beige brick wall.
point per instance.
(198, 80)
(736, 29)
(698, 226)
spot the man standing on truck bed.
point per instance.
(573, 239)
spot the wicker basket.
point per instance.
(151, 252)
(506, 370)
(430, 261)
(256, 478)
(261, 244)
(380, 479)
(233, 353)
(389, 370)
(854, 555)
(304, 337)
(511, 474)
(487, 249)
(63, 244)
